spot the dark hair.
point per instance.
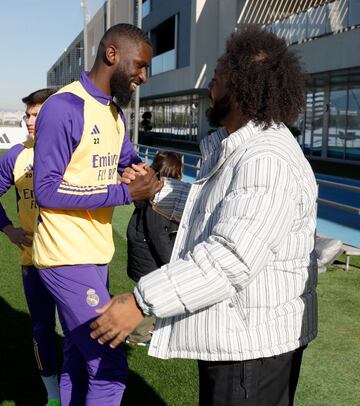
(125, 30)
(264, 76)
(39, 96)
(168, 164)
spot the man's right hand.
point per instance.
(18, 236)
(145, 186)
(130, 173)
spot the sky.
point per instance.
(33, 34)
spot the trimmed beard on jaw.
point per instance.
(220, 109)
(122, 99)
(120, 89)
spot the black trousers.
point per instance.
(260, 382)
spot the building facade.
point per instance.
(69, 65)
(188, 37)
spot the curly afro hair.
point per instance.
(264, 76)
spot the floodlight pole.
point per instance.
(84, 6)
(108, 14)
(137, 91)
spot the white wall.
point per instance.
(10, 136)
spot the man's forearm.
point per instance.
(71, 197)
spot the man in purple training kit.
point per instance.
(16, 168)
(81, 146)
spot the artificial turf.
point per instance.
(330, 370)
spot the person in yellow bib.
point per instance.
(81, 145)
(16, 168)
(239, 292)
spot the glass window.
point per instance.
(173, 117)
(317, 122)
(78, 53)
(146, 7)
(163, 39)
(352, 140)
(316, 21)
(314, 122)
(285, 29)
(337, 121)
(335, 97)
(298, 26)
(337, 15)
(69, 62)
(163, 36)
(354, 12)
(163, 62)
(308, 122)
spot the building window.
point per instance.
(337, 121)
(173, 117)
(317, 21)
(330, 127)
(313, 124)
(344, 128)
(69, 62)
(354, 12)
(164, 39)
(78, 53)
(352, 140)
(146, 8)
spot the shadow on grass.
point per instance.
(139, 392)
(20, 381)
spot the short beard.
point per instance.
(218, 111)
(120, 88)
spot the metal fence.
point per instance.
(188, 159)
(148, 152)
(336, 205)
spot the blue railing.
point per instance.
(339, 198)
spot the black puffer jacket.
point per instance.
(150, 239)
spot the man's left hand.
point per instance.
(119, 318)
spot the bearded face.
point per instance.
(121, 87)
(218, 111)
(130, 71)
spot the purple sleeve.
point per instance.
(7, 164)
(128, 154)
(59, 129)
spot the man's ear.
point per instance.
(111, 55)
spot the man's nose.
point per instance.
(31, 120)
(144, 75)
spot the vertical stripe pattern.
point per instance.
(242, 277)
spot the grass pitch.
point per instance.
(329, 374)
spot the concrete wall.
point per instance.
(57, 76)
(333, 52)
(122, 11)
(203, 28)
(96, 29)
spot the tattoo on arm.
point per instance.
(123, 298)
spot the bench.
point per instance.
(349, 251)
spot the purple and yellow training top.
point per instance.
(16, 168)
(81, 145)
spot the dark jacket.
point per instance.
(150, 238)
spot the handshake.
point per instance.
(142, 182)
